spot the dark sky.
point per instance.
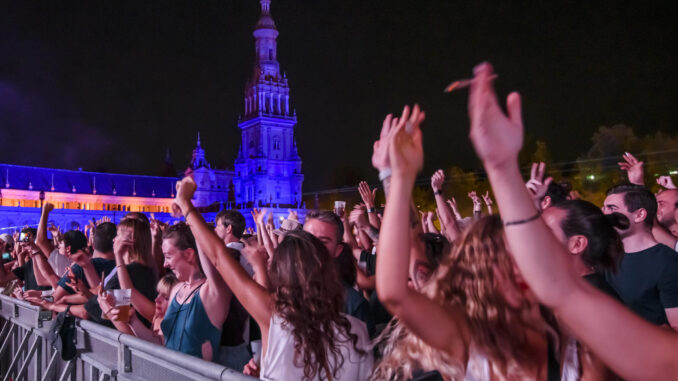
(109, 85)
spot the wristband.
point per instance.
(191, 210)
(438, 192)
(371, 210)
(384, 174)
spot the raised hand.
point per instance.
(358, 217)
(380, 155)
(80, 257)
(453, 205)
(487, 199)
(633, 168)
(293, 215)
(497, 138)
(258, 216)
(105, 219)
(536, 184)
(254, 253)
(122, 245)
(666, 182)
(48, 207)
(366, 194)
(437, 180)
(476, 200)
(406, 151)
(185, 190)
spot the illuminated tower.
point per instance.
(268, 167)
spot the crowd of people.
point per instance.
(546, 286)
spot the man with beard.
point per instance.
(647, 279)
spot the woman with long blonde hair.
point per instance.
(474, 320)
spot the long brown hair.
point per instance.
(465, 279)
(142, 251)
(309, 297)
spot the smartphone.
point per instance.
(23, 237)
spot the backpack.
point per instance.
(62, 335)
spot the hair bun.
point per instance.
(618, 220)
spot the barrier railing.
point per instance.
(103, 353)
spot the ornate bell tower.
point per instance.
(268, 167)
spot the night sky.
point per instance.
(110, 85)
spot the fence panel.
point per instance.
(103, 353)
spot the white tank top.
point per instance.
(478, 366)
(278, 363)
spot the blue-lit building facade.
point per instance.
(267, 170)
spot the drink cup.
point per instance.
(123, 299)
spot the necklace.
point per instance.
(189, 285)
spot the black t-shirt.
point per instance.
(144, 281)
(647, 282)
(356, 306)
(25, 274)
(598, 281)
(101, 265)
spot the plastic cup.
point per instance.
(123, 299)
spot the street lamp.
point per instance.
(42, 197)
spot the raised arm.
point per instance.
(477, 205)
(633, 348)
(445, 215)
(427, 319)
(140, 302)
(217, 295)
(368, 197)
(488, 202)
(633, 168)
(41, 240)
(253, 296)
(262, 233)
(256, 256)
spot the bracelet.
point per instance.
(191, 210)
(384, 174)
(520, 222)
(438, 192)
(371, 210)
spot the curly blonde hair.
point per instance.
(466, 279)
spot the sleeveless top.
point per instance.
(278, 362)
(478, 366)
(186, 327)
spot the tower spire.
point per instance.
(198, 160)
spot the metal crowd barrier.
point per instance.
(103, 353)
